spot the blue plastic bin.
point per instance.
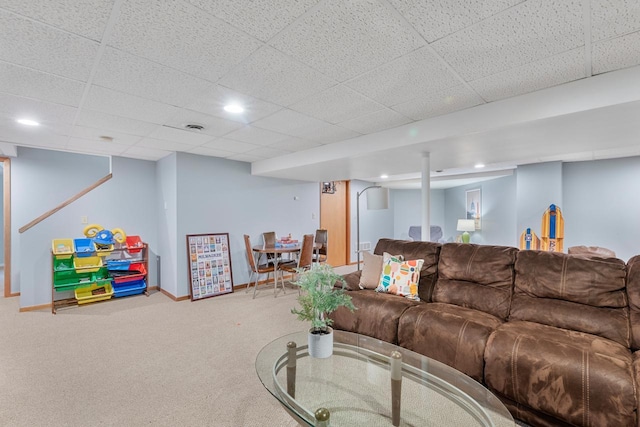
(129, 288)
(118, 264)
(84, 247)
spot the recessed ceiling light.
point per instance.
(384, 176)
(479, 165)
(28, 122)
(106, 138)
(233, 108)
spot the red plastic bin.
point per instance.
(120, 276)
(134, 244)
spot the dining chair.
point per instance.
(257, 268)
(305, 259)
(269, 239)
(322, 237)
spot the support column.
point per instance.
(426, 197)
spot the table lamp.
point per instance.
(466, 225)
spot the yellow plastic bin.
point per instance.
(87, 264)
(93, 293)
(62, 248)
(103, 250)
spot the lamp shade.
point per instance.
(378, 198)
(466, 225)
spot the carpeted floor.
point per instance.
(142, 361)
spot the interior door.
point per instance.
(334, 217)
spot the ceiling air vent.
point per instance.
(193, 126)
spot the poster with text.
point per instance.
(209, 265)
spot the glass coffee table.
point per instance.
(368, 382)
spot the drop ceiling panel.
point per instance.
(336, 104)
(268, 152)
(28, 43)
(617, 53)
(213, 103)
(295, 144)
(525, 33)
(27, 82)
(132, 74)
(181, 36)
(130, 106)
(91, 146)
(160, 144)
(223, 144)
(326, 133)
(205, 151)
(435, 19)
(109, 122)
(375, 122)
(344, 39)
(213, 126)
(613, 18)
(257, 136)
(93, 134)
(454, 99)
(262, 19)
(415, 74)
(274, 77)
(246, 158)
(16, 107)
(289, 122)
(41, 136)
(87, 18)
(180, 136)
(145, 153)
(547, 72)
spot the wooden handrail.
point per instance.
(65, 203)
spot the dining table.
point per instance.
(279, 249)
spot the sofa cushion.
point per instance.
(400, 277)
(427, 251)
(377, 315)
(475, 276)
(581, 378)
(576, 293)
(372, 268)
(450, 334)
(633, 291)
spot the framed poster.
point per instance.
(209, 265)
(474, 207)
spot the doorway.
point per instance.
(334, 217)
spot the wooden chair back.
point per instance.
(306, 252)
(251, 259)
(269, 238)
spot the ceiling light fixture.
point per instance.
(384, 176)
(28, 122)
(233, 108)
(479, 165)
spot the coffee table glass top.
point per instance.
(355, 386)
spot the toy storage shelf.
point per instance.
(92, 279)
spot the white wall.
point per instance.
(538, 186)
(407, 210)
(374, 224)
(167, 214)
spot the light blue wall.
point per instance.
(221, 196)
(374, 224)
(407, 210)
(41, 179)
(1, 214)
(167, 212)
(538, 186)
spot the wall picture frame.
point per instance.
(473, 206)
(209, 265)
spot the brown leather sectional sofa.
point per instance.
(554, 336)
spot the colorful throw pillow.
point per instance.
(370, 276)
(400, 277)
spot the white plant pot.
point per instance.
(321, 345)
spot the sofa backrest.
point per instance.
(476, 276)
(586, 294)
(633, 291)
(427, 251)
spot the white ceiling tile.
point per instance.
(344, 39)
(336, 104)
(91, 146)
(257, 136)
(180, 136)
(268, 152)
(273, 76)
(27, 82)
(145, 153)
(130, 106)
(447, 101)
(47, 113)
(223, 144)
(181, 36)
(525, 33)
(613, 18)
(99, 120)
(260, 18)
(418, 73)
(551, 71)
(161, 144)
(435, 19)
(327, 133)
(295, 144)
(214, 126)
(246, 158)
(38, 46)
(87, 18)
(132, 74)
(42, 136)
(375, 122)
(613, 54)
(213, 103)
(93, 134)
(204, 151)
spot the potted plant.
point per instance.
(319, 298)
